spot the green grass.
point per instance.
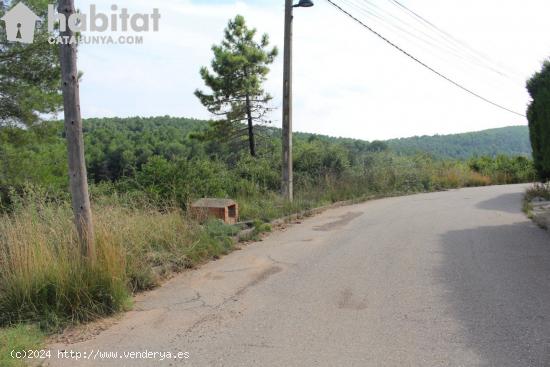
(18, 338)
(270, 206)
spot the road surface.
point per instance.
(457, 278)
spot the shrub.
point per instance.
(538, 115)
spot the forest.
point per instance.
(512, 140)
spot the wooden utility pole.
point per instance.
(75, 140)
(287, 189)
(251, 140)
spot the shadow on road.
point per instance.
(510, 203)
(497, 282)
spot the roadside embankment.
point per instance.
(537, 204)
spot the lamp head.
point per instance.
(304, 4)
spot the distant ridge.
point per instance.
(512, 140)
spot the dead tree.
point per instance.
(75, 140)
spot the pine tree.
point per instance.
(30, 75)
(239, 68)
(538, 115)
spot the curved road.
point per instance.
(457, 278)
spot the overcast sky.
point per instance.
(347, 82)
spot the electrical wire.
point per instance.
(452, 39)
(421, 62)
(431, 42)
(439, 40)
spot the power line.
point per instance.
(431, 41)
(446, 35)
(437, 43)
(442, 39)
(448, 46)
(422, 63)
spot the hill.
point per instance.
(512, 140)
(172, 132)
(119, 149)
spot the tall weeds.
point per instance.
(44, 279)
(140, 239)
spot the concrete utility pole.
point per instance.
(75, 140)
(287, 188)
(287, 182)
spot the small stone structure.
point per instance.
(224, 209)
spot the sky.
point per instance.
(347, 82)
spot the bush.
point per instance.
(504, 169)
(538, 115)
(165, 182)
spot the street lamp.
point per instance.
(303, 4)
(287, 184)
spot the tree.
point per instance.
(538, 114)
(240, 67)
(30, 75)
(377, 146)
(78, 177)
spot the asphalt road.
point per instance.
(457, 278)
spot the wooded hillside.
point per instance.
(512, 140)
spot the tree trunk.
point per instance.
(287, 187)
(251, 141)
(75, 141)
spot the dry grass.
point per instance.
(541, 190)
(456, 177)
(45, 281)
(538, 190)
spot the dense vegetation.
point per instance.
(30, 77)
(512, 141)
(157, 160)
(538, 115)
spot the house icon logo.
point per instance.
(20, 24)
